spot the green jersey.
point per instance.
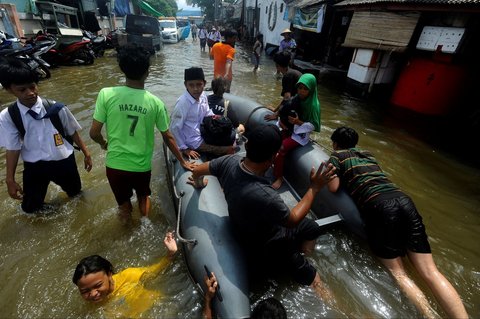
(130, 116)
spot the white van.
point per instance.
(169, 29)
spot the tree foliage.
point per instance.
(207, 6)
(168, 7)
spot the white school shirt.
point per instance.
(301, 133)
(187, 116)
(215, 36)
(38, 143)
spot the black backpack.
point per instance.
(217, 131)
(14, 112)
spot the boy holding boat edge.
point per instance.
(131, 114)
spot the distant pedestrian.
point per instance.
(257, 51)
(193, 29)
(202, 36)
(288, 44)
(223, 54)
(214, 36)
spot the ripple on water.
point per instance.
(40, 253)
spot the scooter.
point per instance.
(30, 54)
(68, 53)
(99, 42)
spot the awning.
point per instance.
(148, 8)
(381, 30)
(304, 3)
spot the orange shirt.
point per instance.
(222, 52)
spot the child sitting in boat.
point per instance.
(122, 293)
(306, 121)
(220, 106)
(187, 117)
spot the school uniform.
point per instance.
(47, 156)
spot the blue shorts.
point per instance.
(394, 226)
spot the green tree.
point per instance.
(207, 6)
(168, 7)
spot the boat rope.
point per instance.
(179, 207)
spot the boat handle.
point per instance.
(179, 209)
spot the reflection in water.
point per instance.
(39, 253)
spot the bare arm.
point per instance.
(228, 68)
(211, 284)
(96, 134)
(14, 189)
(87, 158)
(172, 145)
(334, 184)
(318, 179)
(197, 180)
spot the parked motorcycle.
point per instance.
(98, 42)
(68, 53)
(30, 53)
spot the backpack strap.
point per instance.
(14, 112)
(57, 123)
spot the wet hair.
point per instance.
(219, 85)
(269, 308)
(282, 58)
(345, 137)
(259, 37)
(134, 61)
(263, 143)
(90, 265)
(15, 71)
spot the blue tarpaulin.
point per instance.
(121, 8)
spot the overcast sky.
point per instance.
(182, 4)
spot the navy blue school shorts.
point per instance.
(38, 175)
(394, 226)
(123, 183)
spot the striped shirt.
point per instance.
(361, 175)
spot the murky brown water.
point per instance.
(38, 254)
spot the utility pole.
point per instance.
(216, 12)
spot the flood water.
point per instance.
(39, 254)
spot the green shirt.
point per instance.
(130, 116)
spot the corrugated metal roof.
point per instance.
(304, 3)
(415, 2)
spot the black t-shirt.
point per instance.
(256, 210)
(217, 105)
(290, 107)
(289, 81)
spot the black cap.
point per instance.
(194, 74)
(263, 142)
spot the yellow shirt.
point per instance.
(129, 298)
